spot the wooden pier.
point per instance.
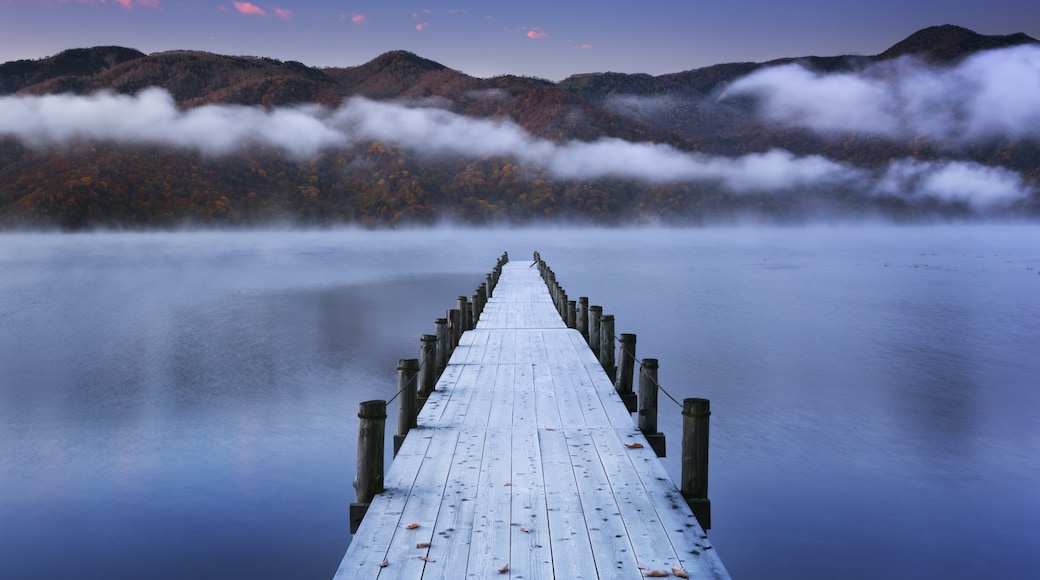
(524, 462)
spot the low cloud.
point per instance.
(993, 94)
(425, 129)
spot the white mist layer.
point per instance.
(992, 94)
(152, 117)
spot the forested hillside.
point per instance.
(689, 147)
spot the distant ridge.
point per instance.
(18, 74)
(948, 43)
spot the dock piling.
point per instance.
(696, 413)
(427, 366)
(369, 478)
(626, 371)
(648, 405)
(606, 346)
(583, 316)
(595, 314)
(407, 403)
(443, 340)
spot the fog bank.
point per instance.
(992, 94)
(425, 129)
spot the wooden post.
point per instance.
(408, 399)
(606, 346)
(626, 370)
(648, 405)
(489, 285)
(695, 458)
(583, 316)
(572, 308)
(563, 305)
(595, 314)
(427, 367)
(455, 325)
(369, 478)
(471, 314)
(443, 340)
(463, 301)
(482, 298)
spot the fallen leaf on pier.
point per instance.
(525, 529)
(384, 563)
(680, 573)
(634, 445)
(509, 485)
(412, 526)
(423, 545)
(503, 569)
(641, 566)
(550, 429)
(657, 574)
(426, 559)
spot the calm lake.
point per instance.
(184, 405)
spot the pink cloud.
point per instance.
(249, 8)
(358, 18)
(586, 46)
(283, 13)
(536, 34)
(128, 4)
(422, 26)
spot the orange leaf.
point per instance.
(384, 563)
(426, 559)
(525, 529)
(657, 574)
(634, 445)
(550, 429)
(503, 569)
(423, 545)
(412, 526)
(680, 573)
(641, 566)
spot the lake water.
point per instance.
(181, 405)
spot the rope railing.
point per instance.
(652, 379)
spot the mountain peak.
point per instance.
(402, 59)
(949, 43)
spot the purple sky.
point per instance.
(530, 37)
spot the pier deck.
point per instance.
(519, 466)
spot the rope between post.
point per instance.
(412, 381)
(659, 387)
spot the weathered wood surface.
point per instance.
(520, 466)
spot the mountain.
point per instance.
(78, 62)
(83, 184)
(948, 44)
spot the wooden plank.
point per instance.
(697, 554)
(568, 535)
(490, 542)
(530, 552)
(650, 541)
(423, 505)
(454, 529)
(613, 554)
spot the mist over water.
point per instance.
(184, 405)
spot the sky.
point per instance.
(547, 39)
